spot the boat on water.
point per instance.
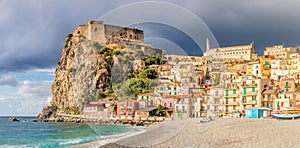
(286, 116)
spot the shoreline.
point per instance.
(149, 136)
(240, 132)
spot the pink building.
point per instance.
(168, 102)
(127, 108)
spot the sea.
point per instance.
(45, 134)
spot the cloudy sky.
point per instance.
(32, 34)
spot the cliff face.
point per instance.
(86, 72)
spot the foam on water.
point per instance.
(29, 134)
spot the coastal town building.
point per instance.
(126, 109)
(246, 52)
(148, 99)
(216, 99)
(96, 110)
(265, 64)
(183, 106)
(279, 51)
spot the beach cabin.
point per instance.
(254, 112)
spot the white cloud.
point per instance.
(9, 79)
(29, 99)
(37, 90)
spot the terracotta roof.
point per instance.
(287, 79)
(297, 106)
(272, 91)
(169, 96)
(182, 96)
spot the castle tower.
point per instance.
(207, 44)
(95, 31)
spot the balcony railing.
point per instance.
(249, 93)
(268, 99)
(232, 96)
(250, 102)
(249, 85)
(231, 103)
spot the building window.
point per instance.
(226, 100)
(226, 109)
(244, 106)
(234, 91)
(286, 83)
(253, 89)
(244, 99)
(234, 99)
(234, 107)
(253, 98)
(170, 105)
(176, 108)
(165, 104)
(183, 108)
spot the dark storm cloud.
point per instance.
(32, 33)
(266, 22)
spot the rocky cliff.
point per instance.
(87, 71)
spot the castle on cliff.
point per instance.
(97, 31)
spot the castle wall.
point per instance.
(119, 34)
(80, 31)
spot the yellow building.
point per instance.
(231, 97)
(279, 51)
(265, 64)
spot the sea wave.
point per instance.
(103, 140)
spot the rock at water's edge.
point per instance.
(47, 113)
(13, 119)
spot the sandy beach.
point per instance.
(220, 133)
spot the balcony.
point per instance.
(249, 85)
(217, 96)
(250, 102)
(250, 93)
(231, 103)
(232, 96)
(232, 87)
(216, 103)
(268, 99)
